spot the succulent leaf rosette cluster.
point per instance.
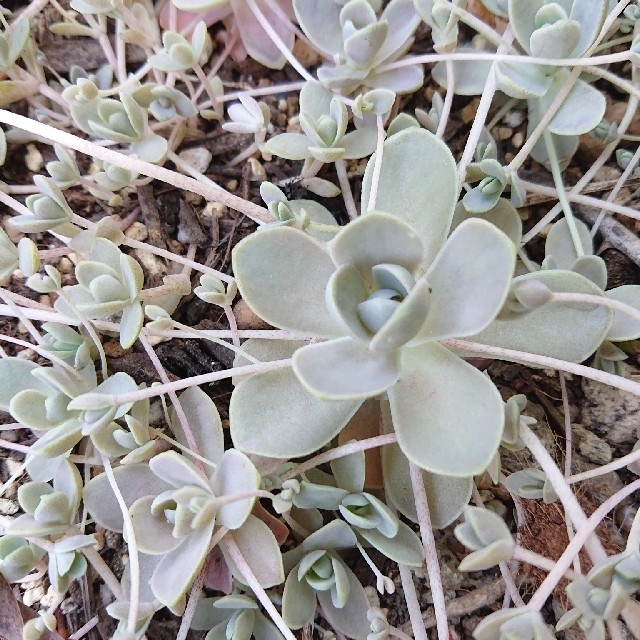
(376, 301)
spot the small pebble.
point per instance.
(257, 172)
(137, 231)
(33, 158)
(231, 185)
(517, 140)
(8, 507)
(197, 157)
(32, 596)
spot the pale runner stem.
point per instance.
(210, 191)
(568, 453)
(134, 564)
(236, 555)
(536, 560)
(194, 598)
(340, 452)
(582, 533)
(448, 99)
(589, 201)
(264, 91)
(180, 414)
(562, 194)
(482, 112)
(377, 164)
(271, 32)
(84, 629)
(412, 602)
(345, 187)
(562, 489)
(205, 378)
(233, 325)
(35, 334)
(616, 305)
(545, 361)
(431, 555)
(104, 572)
(633, 540)
(634, 456)
(207, 86)
(121, 52)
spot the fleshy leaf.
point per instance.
(344, 369)
(530, 331)
(417, 184)
(503, 215)
(447, 496)
(282, 274)
(469, 280)
(266, 412)
(624, 326)
(559, 243)
(463, 406)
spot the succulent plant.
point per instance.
(360, 43)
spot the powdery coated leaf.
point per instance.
(503, 215)
(273, 415)
(292, 146)
(417, 184)
(352, 618)
(590, 14)
(255, 39)
(349, 472)
(464, 409)
(152, 148)
(178, 471)
(178, 569)
(559, 243)
(377, 238)
(482, 529)
(578, 329)
(581, 111)
(282, 274)
(153, 535)
(522, 15)
(235, 473)
(131, 323)
(298, 601)
(470, 75)
(522, 80)
(260, 550)
(204, 421)
(469, 281)
(16, 376)
(405, 547)
(624, 326)
(345, 369)
(320, 22)
(447, 496)
(134, 481)
(555, 40)
(359, 143)
(402, 17)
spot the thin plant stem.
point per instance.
(190, 609)
(134, 563)
(345, 187)
(568, 453)
(412, 602)
(562, 489)
(180, 414)
(96, 561)
(448, 99)
(35, 334)
(271, 32)
(340, 452)
(84, 629)
(236, 555)
(377, 164)
(430, 552)
(582, 533)
(562, 194)
(542, 562)
(178, 385)
(545, 361)
(624, 461)
(611, 303)
(207, 86)
(208, 190)
(482, 112)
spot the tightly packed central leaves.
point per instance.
(377, 300)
